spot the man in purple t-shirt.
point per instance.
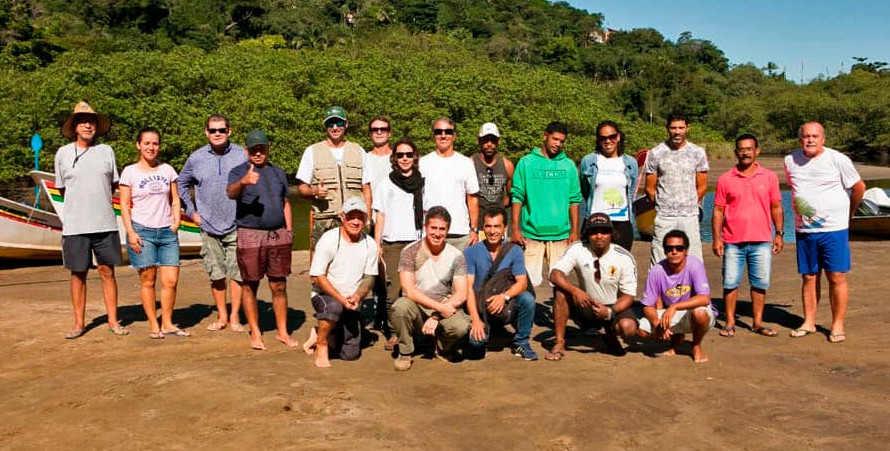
(677, 299)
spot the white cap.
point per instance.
(489, 128)
(354, 204)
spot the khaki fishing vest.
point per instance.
(346, 178)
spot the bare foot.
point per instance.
(288, 341)
(309, 344)
(256, 342)
(669, 353)
(698, 356)
(321, 356)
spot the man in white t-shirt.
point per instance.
(819, 177)
(332, 171)
(343, 269)
(451, 182)
(608, 276)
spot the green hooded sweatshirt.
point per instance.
(546, 188)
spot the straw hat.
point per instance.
(83, 108)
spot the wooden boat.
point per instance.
(30, 233)
(871, 226)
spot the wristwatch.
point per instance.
(506, 296)
(780, 233)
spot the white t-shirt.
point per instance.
(150, 191)
(307, 164)
(342, 262)
(610, 192)
(618, 271)
(447, 183)
(398, 208)
(380, 167)
(818, 187)
(87, 176)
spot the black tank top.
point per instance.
(492, 183)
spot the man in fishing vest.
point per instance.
(494, 172)
(330, 172)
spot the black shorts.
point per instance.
(78, 250)
(585, 317)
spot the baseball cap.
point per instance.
(597, 220)
(256, 138)
(489, 128)
(334, 112)
(354, 204)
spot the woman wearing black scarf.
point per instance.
(398, 203)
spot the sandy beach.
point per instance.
(211, 391)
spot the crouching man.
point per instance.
(433, 275)
(496, 273)
(677, 299)
(608, 275)
(343, 269)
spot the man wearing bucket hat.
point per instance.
(265, 235)
(343, 269)
(608, 275)
(332, 171)
(86, 174)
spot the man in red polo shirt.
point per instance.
(746, 201)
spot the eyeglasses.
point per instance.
(490, 173)
(611, 137)
(677, 248)
(335, 123)
(440, 131)
(380, 129)
(596, 271)
(489, 139)
(404, 155)
(214, 131)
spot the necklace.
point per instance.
(77, 156)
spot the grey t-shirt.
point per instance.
(675, 193)
(87, 175)
(433, 276)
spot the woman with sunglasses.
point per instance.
(609, 180)
(398, 203)
(150, 212)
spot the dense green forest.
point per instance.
(275, 64)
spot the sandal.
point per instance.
(555, 356)
(156, 335)
(119, 331)
(837, 338)
(74, 333)
(176, 332)
(216, 325)
(727, 331)
(765, 331)
(236, 327)
(800, 332)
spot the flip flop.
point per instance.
(237, 327)
(119, 331)
(727, 331)
(215, 326)
(156, 335)
(765, 331)
(800, 332)
(837, 338)
(176, 332)
(74, 333)
(555, 356)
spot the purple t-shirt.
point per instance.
(674, 288)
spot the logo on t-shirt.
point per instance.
(678, 291)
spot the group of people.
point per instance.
(453, 246)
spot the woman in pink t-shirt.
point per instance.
(150, 212)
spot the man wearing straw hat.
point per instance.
(86, 174)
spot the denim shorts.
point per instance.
(756, 257)
(160, 247)
(823, 250)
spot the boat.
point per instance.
(872, 218)
(30, 233)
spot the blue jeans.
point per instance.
(160, 247)
(523, 318)
(757, 257)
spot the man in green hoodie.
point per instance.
(546, 196)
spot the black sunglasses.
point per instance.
(404, 155)
(380, 129)
(217, 130)
(611, 137)
(678, 248)
(489, 139)
(447, 131)
(596, 271)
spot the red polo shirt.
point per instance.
(746, 201)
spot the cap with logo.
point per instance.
(334, 112)
(489, 128)
(354, 204)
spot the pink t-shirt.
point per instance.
(746, 201)
(151, 194)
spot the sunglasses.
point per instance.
(611, 137)
(489, 139)
(441, 131)
(404, 155)
(380, 129)
(596, 271)
(678, 248)
(335, 123)
(490, 173)
(214, 131)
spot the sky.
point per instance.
(823, 36)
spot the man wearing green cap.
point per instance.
(332, 171)
(263, 218)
